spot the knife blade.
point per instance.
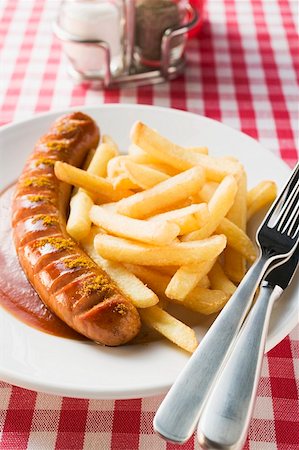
(226, 416)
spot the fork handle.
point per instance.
(225, 419)
(178, 414)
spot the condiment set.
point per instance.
(125, 42)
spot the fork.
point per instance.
(277, 237)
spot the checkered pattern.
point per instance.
(243, 69)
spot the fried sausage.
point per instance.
(66, 279)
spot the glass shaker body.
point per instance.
(153, 18)
(93, 19)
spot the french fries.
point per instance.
(220, 281)
(151, 277)
(189, 218)
(201, 150)
(123, 182)
(147, 161)
(218, 206)
(114, 166)
(201, 300)
(106, 139)
(170, 327)
(207, 191)
(129, 285)
(98, 186)
(155, 233)
(186, 279)
(104, 153)
(162, 149)
(162, 195)
(79, 223)
(168, 225)
(234, 262)
(144, 176)
(182, 253)
(237, 239)
(261, 195)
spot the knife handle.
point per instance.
(225, 419)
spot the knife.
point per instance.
(226, 416)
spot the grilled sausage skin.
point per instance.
(66, 279)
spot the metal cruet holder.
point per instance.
(133, 73)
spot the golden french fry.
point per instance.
(143, 176)
(115, 166)
(134, 150)
(238, 212)
(138, 156)
(177, 205)
(186, 279)
(220, 281)
(91, 183)
(234, 262)
(112, 206)
(164, 270)
(122, 181)
(204, 301)
(163, 194)
(155, 233)
(129, 285)
(189, 218)
(106, 139)
(154, 278)
(147, 160)
(208, 190)
(79, 223)
(161, 148)
(123, 174)
(187, 224)
(168, 170)
(100, 160)
(170, 327)
(183, 253)
(204, 282)
(261, 195)
(237, 239)
(200, 150)
(219, 205)
(201, 300)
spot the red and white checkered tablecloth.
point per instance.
(243, 69)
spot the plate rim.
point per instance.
(73, 391)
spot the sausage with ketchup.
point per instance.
(66, 279)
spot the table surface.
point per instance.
(242, 70)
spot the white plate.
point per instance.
(38, 361)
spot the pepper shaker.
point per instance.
(153, 18)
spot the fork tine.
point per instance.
(296, 233)
(281, 203)
(290, 223)
(288, 210)
(287, 205)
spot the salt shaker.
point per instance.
(93, 20)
